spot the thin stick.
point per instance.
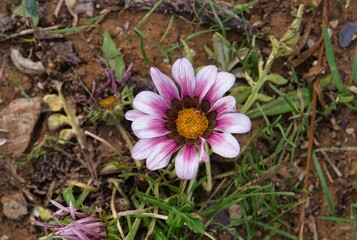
(112, 208)
(312, 127)
(105, 142)
(29, 31)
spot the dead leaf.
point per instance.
(26, 65)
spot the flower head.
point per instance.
(82, 226)
(184, 119)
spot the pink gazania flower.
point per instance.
(183, 120)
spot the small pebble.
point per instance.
(350, 131)
(2, 141)
(310, 43)
(353, 89)
(40, 85)
(334, 23)
(343, 122)
(347, 34)
(126, 26)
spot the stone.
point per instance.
(14, 206)
(17, 121)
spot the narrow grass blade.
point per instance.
(276, 230)
(70, 29)
(354, 69)
(332, 63)
(142, 36)
(142, 47)
(323, 184)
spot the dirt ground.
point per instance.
(36, 182)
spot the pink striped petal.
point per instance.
(143, 147)
(151, 103)
(224, 144)
(161, 154)
(132, 115)
(183, 73)
(224, 105)
(149, 127)
(186, 162)
(233, 123)
(205, 79)
(203, 152)
(164, 85)
(223, 83)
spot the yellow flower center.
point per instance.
(108, 103)
(191, 123)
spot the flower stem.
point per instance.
(127, 140)
(189, 189)
(208, 184)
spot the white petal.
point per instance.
(203, 152)
(186, 162)
(131, 115)
(143, 147)
(223, 83)
(224, 144)
(233, 123)
(164, 85)
(205, 79)
(149, 127)
(151, 103)
(183, 73)
(161, 154)
(224, 105)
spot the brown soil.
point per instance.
(38, 178)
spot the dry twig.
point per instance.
(312, 122)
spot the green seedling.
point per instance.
(28, 8)
(113, 56)
(282, 47)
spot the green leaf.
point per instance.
(28, 8)
(221, 48)
(177, 217)
(69, 197)
(241, 93)
(209, 51)
(346, 99)
(263, 98)
(276, 79)
(292, 36)
(113, 55)
(186, 50)
(281, 104)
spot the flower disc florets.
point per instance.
(185, 121)
(191, 123)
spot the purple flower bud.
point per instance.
(83, 226)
